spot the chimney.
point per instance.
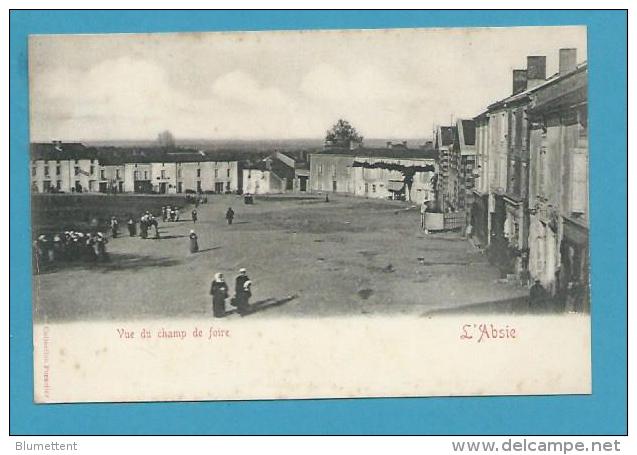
(535, 70)
(519, 81)
(568, 60)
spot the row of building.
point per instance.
(76, 168)
(527, 200)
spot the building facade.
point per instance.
(72, 167)
(558, 184)
(392, 173)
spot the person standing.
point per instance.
(229, 215)
(114, 226)
(163, 214)
(219, 292)
(143, 227)
(131, 227)
(194, 215)
(537, 297)
(177, 214)
(423, 214)
(155, 224)
(194, 244)
(101, 246)
(242, 292)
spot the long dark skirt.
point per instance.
(194, 245)
(218, 307)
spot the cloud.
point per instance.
(242, 87)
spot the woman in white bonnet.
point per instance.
(194, 244)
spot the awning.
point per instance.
(394, 185)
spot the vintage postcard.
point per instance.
(310, 214)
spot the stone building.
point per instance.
(558, 183)
(64, 167)
(395, 172)
(73, 167)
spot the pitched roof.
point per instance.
(469, 132)
(447, 134)
(401, 153)
(109, 155)
(525, 94)
(62, 151)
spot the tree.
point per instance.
(342, 134)
(166, 140)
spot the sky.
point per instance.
(395, 83)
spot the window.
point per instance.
(179, 173)
(93, 170)
(58, 184)
(145, 175)
(136, 175)
(46, 171)
(76, 170)
(163, 173)
(102, 174)
(198, 172)
(228, 172)
(373, 188)
(117, 174)
(198, 186)
(216, 173)
(58, 170)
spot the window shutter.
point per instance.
(579, 180)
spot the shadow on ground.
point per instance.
(263, 305)
(113, 262)
(514, 305)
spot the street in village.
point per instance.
(306, 257)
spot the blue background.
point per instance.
(604, 412)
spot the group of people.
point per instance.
(147, 222)
(242, 293)
(69, 246)
(169, 213)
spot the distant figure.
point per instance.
(242, 292)
(537, 297)
(194, 244)
(101, 246)
(114, 226)
(194, 215)
(229, 215)
(164, 214)
(219, 292)
(155, 224)
(423, 214)
(143, 227)
(327, 198)
(92, 248)
(172, 214)
(131, 227)
(469, 231)
(177, 214)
